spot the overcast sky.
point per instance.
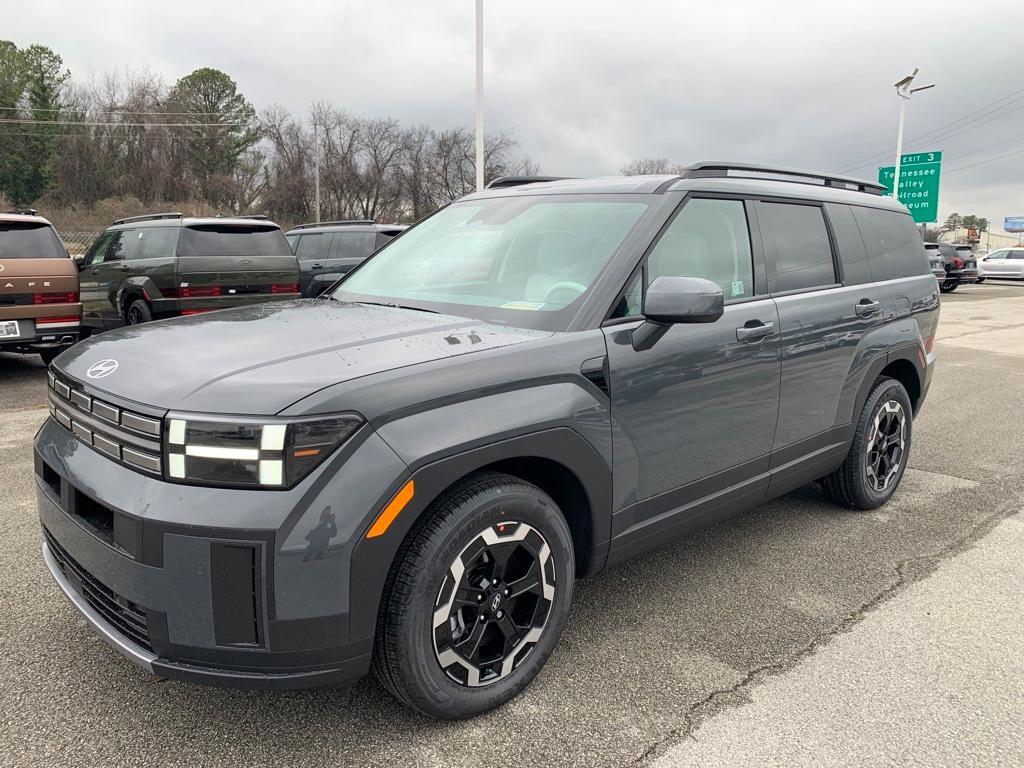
(588, 85)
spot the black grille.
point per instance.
(125, 616)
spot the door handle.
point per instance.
(318, 266)
(754, 331)
(866, 307)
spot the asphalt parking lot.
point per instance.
(655, 648)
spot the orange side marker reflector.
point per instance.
(387, 517)
(306, 452)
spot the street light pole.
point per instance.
(316, 166)
(904, 91)
(479, 95)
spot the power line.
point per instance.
(147, 137)
(982, 162)
(27, 121)
(108, 111)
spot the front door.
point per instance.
(694, 415)
(92, 287)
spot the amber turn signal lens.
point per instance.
(396, 505)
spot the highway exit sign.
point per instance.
(919, 184)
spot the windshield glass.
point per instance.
(23, 240)
(232, 240)
(516, 260)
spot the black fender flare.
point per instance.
(372, 558)
(909, 352)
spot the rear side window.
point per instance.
(352, 245)
(227, 240)
(797, 250)
(29, 240)
(310, 246)
(853, 257)
(709, 239)
(894, 247)
(156, 242)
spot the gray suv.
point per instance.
(328, 250)
(538, 381)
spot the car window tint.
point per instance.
(293, 240)
(709, 239)
(352, 245)
(1016, 255)
(856, 269)
(29, 240)
(894, 246)
(630, 304)
(309, 246)
(796, 246)
(124, 245)
(232, 240)
(156, 242)
(97, 252)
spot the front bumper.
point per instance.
(213, 586)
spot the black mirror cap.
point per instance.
(683, 300)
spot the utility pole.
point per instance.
(479, 95)
(316, 166)
(904, 91)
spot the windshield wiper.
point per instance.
(398, 306)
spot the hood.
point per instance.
(260, 359)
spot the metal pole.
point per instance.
(316, 166)
(899, 148)
(479, 95)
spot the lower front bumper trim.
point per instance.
(110, 636)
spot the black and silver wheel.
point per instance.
(948, 286)
(477, 598)
(878, 455)
(138, 312)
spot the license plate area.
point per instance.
(9, 329)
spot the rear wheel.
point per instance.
(879, 452)
(949, 286)
(138, 312)
(477, 598)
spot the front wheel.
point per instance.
(949, 286)
(879, 452)
(49, 353)
(477, 598)
(981, 280)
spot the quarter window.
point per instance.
(156, 242)
(709, 239)
(893, 244)
(796, 247)
(352, 245)
(309, 247)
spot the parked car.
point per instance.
(39, 308)
(960, 265)
(1004, 264)
(936, 262)
(164, 264)
(330, 249)
(412, 472)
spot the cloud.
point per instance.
(589, 85)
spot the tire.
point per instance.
(50, 353)
(137, 313)
(981, 280)
(408, 658)
(852, 485)
(949, 286)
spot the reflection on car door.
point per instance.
(694, 415)
(91, 273)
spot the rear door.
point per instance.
(103, 270)
(822, 323)
(312, 250)
(226, 264)
(1015, 263)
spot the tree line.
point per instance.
(201, 144)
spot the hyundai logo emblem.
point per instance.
(101, 369)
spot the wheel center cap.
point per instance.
(495, 602)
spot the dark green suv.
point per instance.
(164, 265)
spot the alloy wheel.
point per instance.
(886, 445)
(493, 604)
(135, 316)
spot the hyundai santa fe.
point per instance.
(537, 382)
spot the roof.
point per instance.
(26, 218)
(716, 176)
(164, 220)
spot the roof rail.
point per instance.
(710, 169)
(23, 212)
(503, 182)
(148, 217)
(341, 223)
(257, 216)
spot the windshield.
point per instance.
(232, 240)
(25, 240)
(517, 260)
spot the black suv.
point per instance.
(958, 262)
(330, 249)
(164, 265)
(534, 383)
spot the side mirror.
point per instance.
(672, 300)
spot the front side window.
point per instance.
(709, 239)
(97, 252)
(124, 245)
(797, 250)
(309, 246)
(522, 260)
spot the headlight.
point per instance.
(261, 453)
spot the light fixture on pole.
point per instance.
(479, 95)
(904, 91)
